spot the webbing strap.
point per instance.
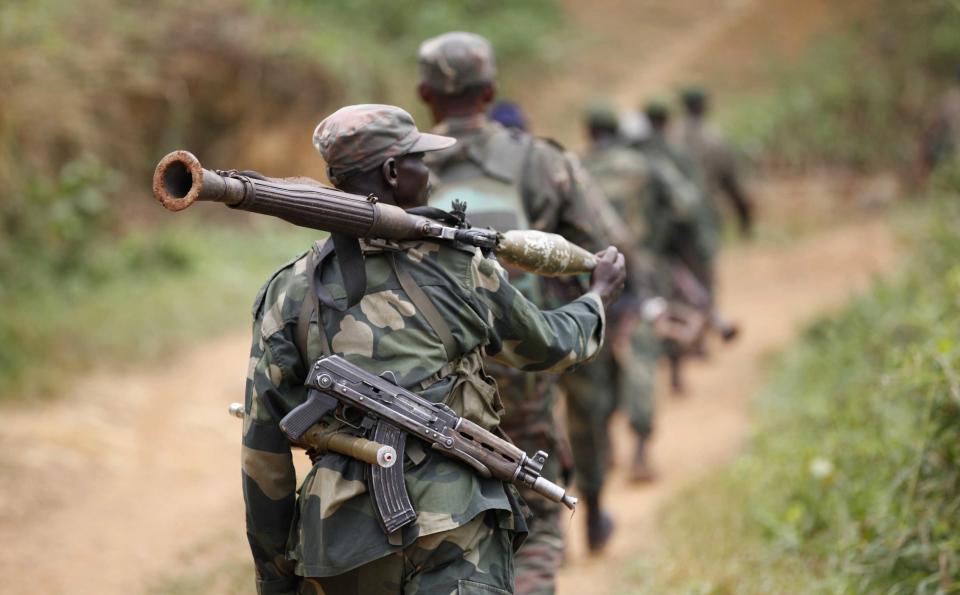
(310, 308)
(426, 307)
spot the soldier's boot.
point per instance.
(676, 377)
(641, 471)
(599, 524)
(728, 330)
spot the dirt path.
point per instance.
(771, 292)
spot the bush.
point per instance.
(860, 97)
(852, 481)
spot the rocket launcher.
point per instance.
(179, 180)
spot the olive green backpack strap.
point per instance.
(425, 306)
(310, 310)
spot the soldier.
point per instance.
(682, 236)
(622, 376)
(430, 312)
(510, 180)
(941, 140)
(715, 158)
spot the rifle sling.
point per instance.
(426, 307)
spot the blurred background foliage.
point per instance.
(858, 96)
(104, 88)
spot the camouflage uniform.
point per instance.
(466, 526)
(717, 164)
(511, 180)
(622, 376)
(942, 138)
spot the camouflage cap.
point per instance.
(357, 138)
(602, 113)
(693, 95)
(657, 108)
(454, 61)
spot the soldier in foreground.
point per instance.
(430, 312)
(509, 179)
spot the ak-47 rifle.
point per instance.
(179, 180)
(391, 412)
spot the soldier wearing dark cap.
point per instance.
(430, 313)
(715, 158)
(510, 180)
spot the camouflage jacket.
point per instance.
(511, 179)
(539, 171)
(626, 180)
(678, 203)
(330, 526)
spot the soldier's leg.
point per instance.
(473, 559)
(636, 396)
(533, 426)
(590, 404)
(539, 558)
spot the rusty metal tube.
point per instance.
(179, 180)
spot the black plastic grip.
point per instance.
(311, 411)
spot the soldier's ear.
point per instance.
(425, 92)
(389, 171)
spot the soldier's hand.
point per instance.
(609, 275)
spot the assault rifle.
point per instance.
(389, 414)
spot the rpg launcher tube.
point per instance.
(325, 440)
(545, 254)
(179, 180)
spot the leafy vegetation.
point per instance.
(100, 90)
(852, 481)
(860, 97)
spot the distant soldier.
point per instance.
(622, 375)
(509, 180)
(431, 312)
(941, 140)
(682, 236)
(715, 158)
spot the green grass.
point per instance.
(851, 483)
(151, 293)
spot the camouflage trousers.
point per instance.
(473, 559)
(595, 391)
(530, 401)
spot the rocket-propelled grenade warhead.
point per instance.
(546, 254)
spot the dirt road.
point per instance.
(771, 292)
